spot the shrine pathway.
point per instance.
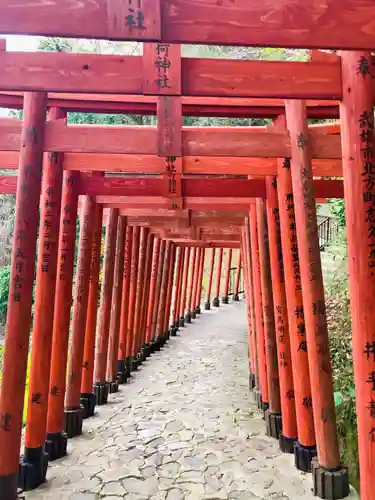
(185, 428)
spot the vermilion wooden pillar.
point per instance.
(151, 300)
(73, 409)
(114, 328)
(207, 304)
(216, 301)
(184, 286)
(326, 484)
(196, 283)
(132, 298)
(262, 396)
(123, 364)
(147, 291)
(88, 397)
(33, 466)
(138, 354)
(289, 423)
(251, 292)
(20, 292)
(180, 288)
(176, 291)
(357, 136)
(160, 334)
(304, 449)
(155, 316)
(192, 278)
(167, 327)
(273, 414)
(200, 282)
(56, 437)
(236, 296)
(248, 282)
(161, 292)
(225, 298)
(101, 386)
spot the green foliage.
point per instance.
(108, 119)
(4, 292)
(54, 45)
(337, 207)
(340, 338)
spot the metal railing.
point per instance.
(327, 232)
(232, 281)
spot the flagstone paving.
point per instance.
(184, 428)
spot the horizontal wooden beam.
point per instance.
(113, 190)
(8, 184)
(195, 188)
(212, 165)
(111, 74)
(193, 216)
(154, 203)
(191, 106)
(196, 141)
(297, 23)
(206, 244)
(331, 24)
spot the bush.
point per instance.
(4, 292)
(340, 338)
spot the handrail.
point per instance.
(327, 232)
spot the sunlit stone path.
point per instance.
(184, 428)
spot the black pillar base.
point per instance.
(56, 445)
(330, 484)
(188, 317)
(236, 298)
(88, 401)
(264, 408)
(156, 345)
(101, 391)
(147, 350)
(207, 306)
(258, 398)
(129, 364)
(33, 468)
(142, 355)
(73, 421)
(216, 302)
(273, 424)
(173, 330)
(225, 300)
(193, 314)
(182, 322)
(113, 387)
(198, 310)
(9, 487)
(122, 372)
(252, 381)
(303, 456)
(286, 444)
(134, 364)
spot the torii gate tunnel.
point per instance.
(175, 200)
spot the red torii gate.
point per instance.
(353, 86)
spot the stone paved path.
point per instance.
(185, 428)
